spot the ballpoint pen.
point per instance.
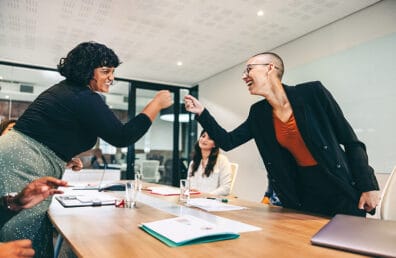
(218, 199)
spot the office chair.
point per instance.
(166, 176)
(388, 200)
(234, 172)
(149, 170)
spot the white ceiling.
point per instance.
(151, 36)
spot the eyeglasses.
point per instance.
(249, 67)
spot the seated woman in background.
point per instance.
(209, 171)
(98, 160)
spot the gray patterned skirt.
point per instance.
(22, 159)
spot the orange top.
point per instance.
(290, 138)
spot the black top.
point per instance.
(323, 128)
(68, 119)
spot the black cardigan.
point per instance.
(68, 119)
(324, 129)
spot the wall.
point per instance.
(331, 47)
(362, 79)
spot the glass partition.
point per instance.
(155, 148)
(168, 142)
(19, 86)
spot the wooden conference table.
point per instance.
(108, 231)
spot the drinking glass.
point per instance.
(184, 190)
(130, 195)
(138, 181)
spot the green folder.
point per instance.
(162, 233)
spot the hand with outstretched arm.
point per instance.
(35, 192)
(162, 99)
(193, 105)
(17, 249)
(75, 164)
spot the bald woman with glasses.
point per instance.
(299, 131)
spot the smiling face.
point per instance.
(102, 79)
(205, 142)
(256, 75)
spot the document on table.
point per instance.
(164, 190)
(212, 205)
(186, 230)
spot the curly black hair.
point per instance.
(197, 157)
(79, 64)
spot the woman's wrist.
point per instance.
(11, 202)
(199, 112)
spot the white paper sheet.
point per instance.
(213, 205)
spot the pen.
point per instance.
(218, 199)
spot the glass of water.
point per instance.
(138, 181)
(130, 195)
(184, 190)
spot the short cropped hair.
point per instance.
(79, 64)
(277, 60)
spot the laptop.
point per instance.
(359, 235)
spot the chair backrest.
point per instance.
(234, 172)
(388, 200)
(166, 176)
(149, 170)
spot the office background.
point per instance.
(354, 57)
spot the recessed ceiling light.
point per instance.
(260, 13)
(7, 97)
(1, 77)
(179, 63)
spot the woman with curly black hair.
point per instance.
(209, 171)
(62, 122)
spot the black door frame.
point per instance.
(192, 125)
